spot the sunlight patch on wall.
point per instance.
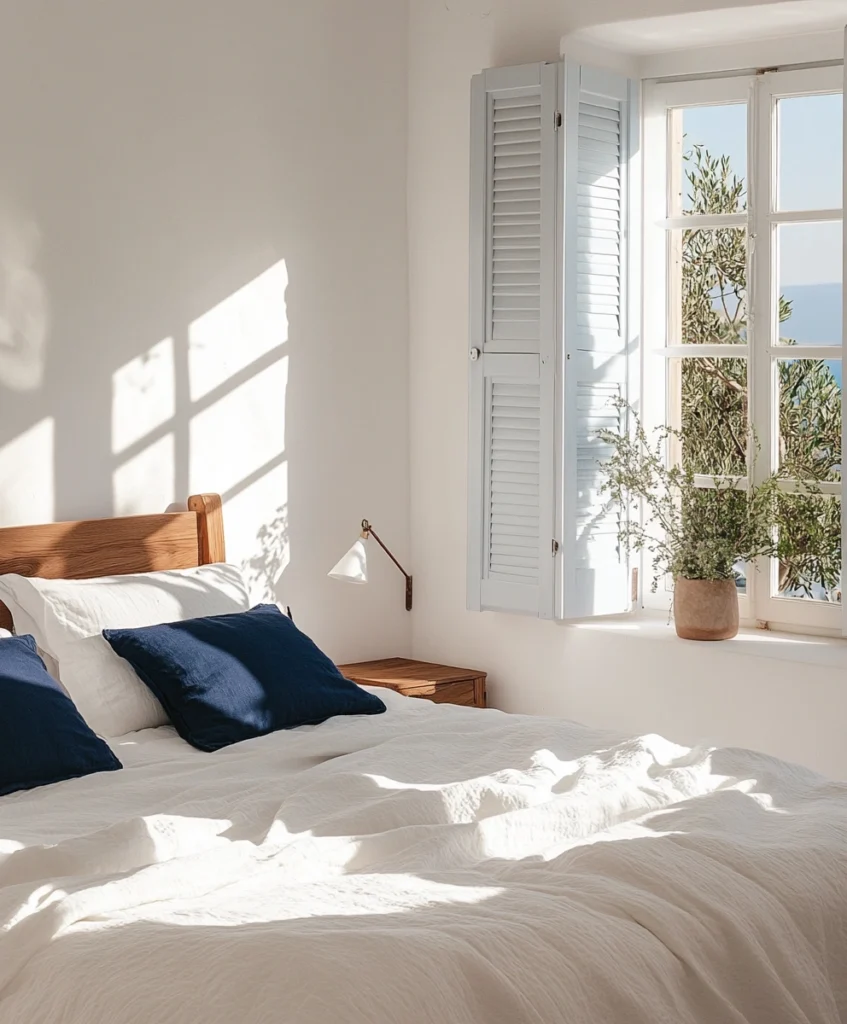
(143, 395)
(241, 432)
(257, 532)
(26, 476)
(145, 483)
(23, 305)
(244, 327)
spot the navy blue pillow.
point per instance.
(227, 678)
(43, 738)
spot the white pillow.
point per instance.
(4, 633)
(66, 618)
(24, 626)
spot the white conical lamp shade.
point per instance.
(353, 567)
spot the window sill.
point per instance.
(805, 649)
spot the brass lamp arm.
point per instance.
(369, 531)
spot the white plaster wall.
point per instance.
(686, 691)
(203, 281)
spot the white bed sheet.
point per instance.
(433, 864)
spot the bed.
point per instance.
(431, 864)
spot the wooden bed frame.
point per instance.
(115, 547)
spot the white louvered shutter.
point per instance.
(598, 144)
(513, 326)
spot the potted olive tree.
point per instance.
(698, 535)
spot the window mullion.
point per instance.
(761, 191)
(703, 351)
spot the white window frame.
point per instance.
(761, 93)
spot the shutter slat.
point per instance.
(512, 532)
(590, 120)
(503, 164)
(600, 191)
(504, 291)
(517, 242)
(508, 111)
(599, 203)
(506, 183)
(611, 112)
(599, 303)
(503, 129)
(506, 563)
(504, 142)
(508, 279)
(598, 134)
(601, 148)
(516, 231)
(521, 304)
(591, 243)
(592, 284)
(600, 176)
(597, 163)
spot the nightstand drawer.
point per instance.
(442, 684)
(452, 693)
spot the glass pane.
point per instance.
(713, 414)
(810, 418)
(810, 542)
(809, 258)
(712, 165)
(708, 287)
(809, 129)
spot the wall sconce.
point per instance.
(353, 567)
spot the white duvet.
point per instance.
(433, 864)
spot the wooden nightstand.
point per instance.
(441, 683)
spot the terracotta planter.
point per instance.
(705, 609)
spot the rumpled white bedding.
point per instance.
(433, 864)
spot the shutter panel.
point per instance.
(598, 144)
(513, 324)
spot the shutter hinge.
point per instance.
(557, 120)
(555, 548)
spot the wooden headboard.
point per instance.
(114, 547)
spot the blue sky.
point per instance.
(810, 159)
(809, 175)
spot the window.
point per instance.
(723, 320)
(743, 300)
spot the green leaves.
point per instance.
(695, 532)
